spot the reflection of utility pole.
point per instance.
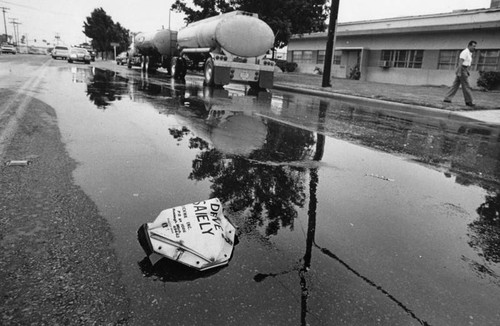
(334, 11)
(4, 22)
(311, 231)
(311, 213)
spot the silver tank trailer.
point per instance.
(155, 48)
(162, 42)
(239, 33)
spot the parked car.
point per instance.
(80, 55)
(135, 60)
(9, 48)
(92, 52)
(122, 58)
(60, 52)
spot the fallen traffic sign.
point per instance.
(197, 235)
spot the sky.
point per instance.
(44, 19)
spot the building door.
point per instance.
(352, 62)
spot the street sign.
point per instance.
(114, 45)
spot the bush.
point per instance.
(488, 79)
(285, 65)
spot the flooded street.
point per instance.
(348, 212)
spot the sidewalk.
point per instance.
(427, 96)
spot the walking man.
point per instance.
(462, 76)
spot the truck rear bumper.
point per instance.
(226, 71)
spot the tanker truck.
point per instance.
(155, 49)
(230, 46)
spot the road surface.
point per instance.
(347, 213)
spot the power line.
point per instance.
(40, 9)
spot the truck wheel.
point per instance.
(178, 68)
(183, 68)
(209, 72)
(173, 67)
(254, 85)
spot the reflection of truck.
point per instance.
(230, 47)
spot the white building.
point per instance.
(416, 50)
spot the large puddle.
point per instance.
(346, 213)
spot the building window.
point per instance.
(321, 57)
(448, 59)
(307, 56)
(297, 56)
(487, 60)
(483, 60)
(302, 56)
(403, 58)
(337, 57)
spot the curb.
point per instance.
(396, 106)
(365, 100)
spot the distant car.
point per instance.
(122, 58)
(60, 52)
(132, 60)
(91, 52)
(8, 48)
(79, 54)
(135, 60)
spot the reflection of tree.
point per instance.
(105, 88)
(179, 133)
(263, 181)
(485, 231)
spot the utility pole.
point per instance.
(14, 22)
(17, 27)
(4, 23)
(334, 12)
(16, 31)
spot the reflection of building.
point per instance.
(458, 145)
(418, 50)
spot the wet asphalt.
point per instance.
(348, 212)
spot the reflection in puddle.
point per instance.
(167, 270)
(105, 87)
(485, 231)
(260, 166)
(80, 75)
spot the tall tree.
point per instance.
(208, 8)
(102, 30)
(285, 17)
(121, 35)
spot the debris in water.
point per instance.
(197, 235)
(379, 177)
(18, 163)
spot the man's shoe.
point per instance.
(470, 104)
(447, 101)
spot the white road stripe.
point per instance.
(22, 99)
